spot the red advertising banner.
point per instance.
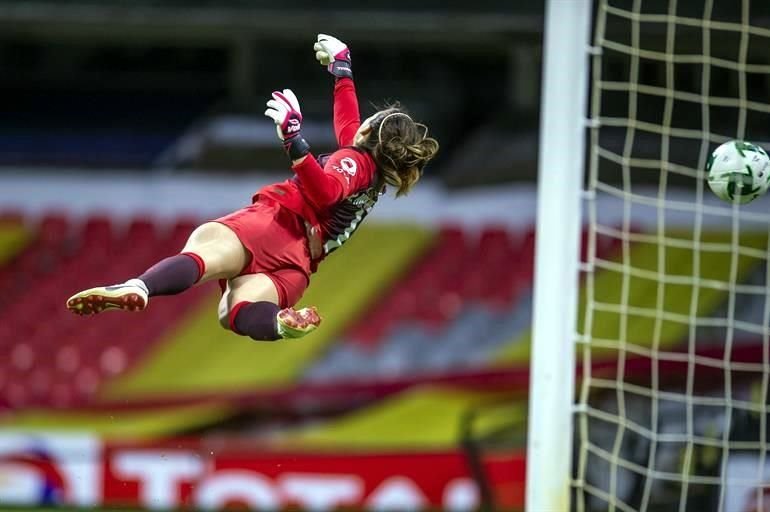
(86, 472)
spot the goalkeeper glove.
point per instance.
(284, 110)
(334, 54)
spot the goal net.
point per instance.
(672, 330)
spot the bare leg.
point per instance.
(213, 251)
(220, 249)
(250, 307)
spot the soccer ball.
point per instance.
(738, 171)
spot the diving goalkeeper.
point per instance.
(264, 254)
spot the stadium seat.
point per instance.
(54, 227)
(450, 309)
(62, 361)
(450, 312)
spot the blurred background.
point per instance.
(125, 124)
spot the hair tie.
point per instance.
(382, 123)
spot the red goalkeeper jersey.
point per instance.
(334, 192)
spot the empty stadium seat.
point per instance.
(451, 311)
(492, 268)
(61, 358)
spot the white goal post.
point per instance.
(668, 316)
(560, 185)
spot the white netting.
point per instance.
(673, 323)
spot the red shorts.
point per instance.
(277, 241)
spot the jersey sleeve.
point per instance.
(319, 187)
(352, 170)
(346, 172)
(346, 116)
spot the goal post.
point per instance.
(560, 184)
(668, 313)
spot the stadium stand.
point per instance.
(456, 303)
(642, 293)
(62, 256)
(467, 298)
(469, 288)
(465, 290)
(343, 290)
(136, 357)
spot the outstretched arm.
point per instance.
(346, 116)
(335, 55)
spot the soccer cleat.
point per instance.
(293, 323)
(126, 297)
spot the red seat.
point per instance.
(16, 394)
(495, 240)
(87, 381)
(141, 228)
(62, 395)
(39, 384)
(113, 360)
(180, 232)
(452, 237)
(66, 358)
(53, 228)
(97, 231)
(22, 357)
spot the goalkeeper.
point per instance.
(264, 254)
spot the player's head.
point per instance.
(400, 146)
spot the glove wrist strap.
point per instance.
(296, 147)
(341, 69)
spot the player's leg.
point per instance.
(251, 306)
(213, 251)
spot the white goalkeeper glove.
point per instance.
(334, 54)
(284, 110)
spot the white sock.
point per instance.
(139, 283)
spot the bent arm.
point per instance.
(319, 187)
(346, 116)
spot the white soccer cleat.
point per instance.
(129, 296)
